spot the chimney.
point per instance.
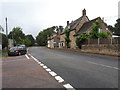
(67, 23)
(84, 12)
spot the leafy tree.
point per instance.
(117, 27)
(4, 40)
(17, 35)
(31, 39)
(27, 41)
(42, 37)
(67, 39)
(111, 28)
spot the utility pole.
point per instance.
(6, 31)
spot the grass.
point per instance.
(3, 53)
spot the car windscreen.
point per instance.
(13, 48)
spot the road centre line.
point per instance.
(103, 65)
(27, 56)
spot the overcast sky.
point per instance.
(35, 15)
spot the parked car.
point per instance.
(17, 50)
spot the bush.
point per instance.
(81, 38)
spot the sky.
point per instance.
(35, 15)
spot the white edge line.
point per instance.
(68, 86)
(48, 70)
(52, 73)
(27, 56)
(58, 78)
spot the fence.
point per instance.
(115, 40)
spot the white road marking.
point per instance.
(48, 69)
(42, 64)
(45, 67)
(35, 59)
(104, 65)
(52, 73)
(27, 56)
(68, 87)
(39, 62)
(59, 79)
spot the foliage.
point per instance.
(80, 39)
(94, 33)
(17, 35)
(27, 42)
(31, 39)
(41, 38)
(4, 40)
(116, 28)
(67, 39)
(111, 28)
(103, 35)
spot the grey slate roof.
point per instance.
(86, 26)
(74, 24)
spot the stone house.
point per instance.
(82, 25)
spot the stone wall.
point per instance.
(102, 49)
(73, 40)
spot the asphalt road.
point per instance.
(80, 70)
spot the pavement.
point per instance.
(24, 72)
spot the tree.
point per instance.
(17, 35)
(4, 40)
(31, 39)
(117, 27)
(27, 42)
(111, 28)
(42, 37)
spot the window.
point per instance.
(100, 30)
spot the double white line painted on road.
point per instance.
(58, 78)
(103, 65)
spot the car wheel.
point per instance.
(19, 54)
(9, 55)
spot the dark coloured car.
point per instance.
(18, 50)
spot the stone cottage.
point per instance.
(82, 25)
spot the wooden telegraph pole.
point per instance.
(6, 31)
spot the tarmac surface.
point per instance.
(21, 72)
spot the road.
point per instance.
(78, 69)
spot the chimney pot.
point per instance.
(84, 12)
(67, 23)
